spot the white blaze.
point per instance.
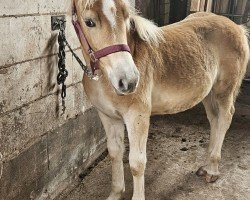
(108, 8)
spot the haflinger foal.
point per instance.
(169, 70)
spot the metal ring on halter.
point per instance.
(74, 17)
(92, 56)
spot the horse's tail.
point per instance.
(248, 69)
(247, 34)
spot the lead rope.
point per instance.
(63, 73)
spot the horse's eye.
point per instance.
(90, 23)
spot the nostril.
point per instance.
(121, 85)
(131, 86)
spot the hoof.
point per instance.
(211, 178)
(201, 172)
(208, 177)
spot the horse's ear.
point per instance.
(131, 24)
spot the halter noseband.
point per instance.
(94, 55)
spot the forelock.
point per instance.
(84, 4)
(109, 10)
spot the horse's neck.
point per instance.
(142, 53)
(138, 47)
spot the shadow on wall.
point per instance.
(51, 69)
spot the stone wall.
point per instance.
(41, 150)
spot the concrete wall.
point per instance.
(41, 151)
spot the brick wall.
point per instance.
(41, 151)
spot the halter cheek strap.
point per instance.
(95, 55)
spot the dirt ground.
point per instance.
(176, 149)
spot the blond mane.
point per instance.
(147, 30)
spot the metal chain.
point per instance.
(63, 73)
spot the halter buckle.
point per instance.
(92, 56)
(74, 17)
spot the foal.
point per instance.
(170, 69)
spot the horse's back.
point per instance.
(212, 29)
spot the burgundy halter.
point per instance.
(94, 55)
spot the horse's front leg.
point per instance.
(137, 125)
(115, 141)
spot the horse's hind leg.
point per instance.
(115, 141)
(220, 109)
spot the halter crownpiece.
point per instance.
(94, 55)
